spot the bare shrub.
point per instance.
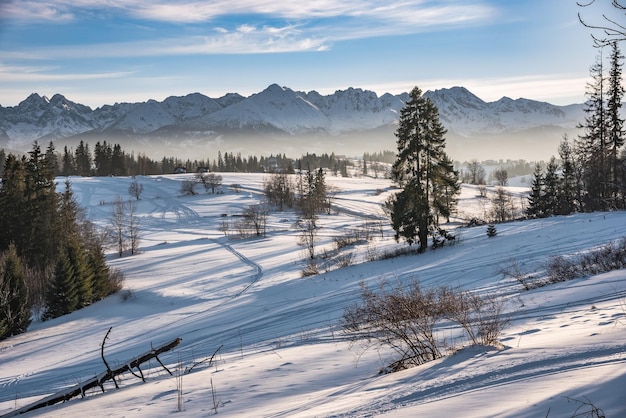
(405, 318)
(188, 187)
(480, 316)
(514, 271)
(609, 257)
(311, 268)
(243, 227)
(345, 259)
(116, 281)
(402, 318)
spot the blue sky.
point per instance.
(100, 52)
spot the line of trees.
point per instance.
(51, 257)
(591, 173)
(111, 160)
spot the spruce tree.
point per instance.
(420, 167)
(82, 273)
(41, 211)
(551, 183)
(13, 222)
(14, 301)
(592, 144)
(68, 166)
(615, 122)
(570, 189)
(100, 273)
(83, 159)
(62, 295)
(536, 206)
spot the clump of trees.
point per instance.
(590, 174)
(405, 318)
(52, 257)
(424, 172)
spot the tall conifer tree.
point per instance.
(420, 169)
(14, 300)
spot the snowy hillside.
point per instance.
(283, 352)
(277, 110)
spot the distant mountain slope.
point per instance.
(334, 119)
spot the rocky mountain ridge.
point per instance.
(275, 111)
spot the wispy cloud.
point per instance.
(312, 25)
(244, 39)
(417, 12)
(44, 74)
(35, 11)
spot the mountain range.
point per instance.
(281, 120)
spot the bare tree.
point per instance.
(116, 220)
(135, 189)
(279, 190)
(476, 172)
(209, 181)
(502, 207)
(124, 226)
(188, 186)
(308, 236)
(609, 30)
(502, 177)
(256, 215)
(133, 227)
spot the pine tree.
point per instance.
(491, 231)
(536, 207)
(570, 189)
(82, 273)
(551, 182)
(592, 144)
(52, 161)
(41, 211)
(420, 166)
(62, 295)
(100, 273)
(14, 301)
(83, 159)
(615, 122)
(13, 223)
(102, 158)
(118, 165)
(3, 157)
(68, 165)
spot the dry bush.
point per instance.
(480, 316)
(402, 318)
(609, 257)
(311, 268)
(116, 281)
(405, 318)
(513, 270)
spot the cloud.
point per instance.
(44, 74)
(34, 10)
(403, 12)
(244, 39)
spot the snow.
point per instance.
(284, 354)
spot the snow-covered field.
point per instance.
(283, 352)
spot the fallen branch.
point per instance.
(98, 380)
(204, 361)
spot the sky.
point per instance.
(99, 52)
